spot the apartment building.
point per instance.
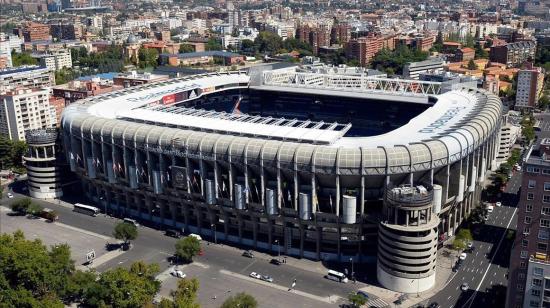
(33, 31)
(529, 87)
(134, 78)
(25, 109)
(533, 229)
(509, 133)
(10, 42)
(513, 54)
(56, 60)
(363, 49)
(414, 69)
(28, 76)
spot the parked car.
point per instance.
(173, 233)
(248, 254)
(198, 237)
(462, 256)
(10, 195)
(276, 261)
(434, 305)
(464, 286)
(255, 275)
(178, 273)
(266, 278)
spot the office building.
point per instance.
(431, 66)
(134, 78)
(25, 109)
(33, 31)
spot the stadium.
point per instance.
(326, 165)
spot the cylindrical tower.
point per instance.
(407, 239)
(44, 174)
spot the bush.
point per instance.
(187, 248)
(21, 206)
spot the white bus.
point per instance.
(336, 276)
(86, 209)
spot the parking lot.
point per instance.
(217, 284)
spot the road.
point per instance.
(485, 269)
(153, 246)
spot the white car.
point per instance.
(10, 195)
(464, 287)
(462, 256)
(178, 273)
(518, 168)
(470, 245)
(266, 278)
(255, 275)
(498, 203)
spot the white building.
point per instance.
(56, 60)
(413, 70)
(9, 42)
(284, 30)
(537, 286)
(25, 109)
(29, 76)
(509, 133)
(529, 87)
(5, 56)
(95, 21)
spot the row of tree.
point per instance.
(393, 61)
(11, 152)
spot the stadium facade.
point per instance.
(319, 165)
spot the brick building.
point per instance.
(76, 90)
(315, 35)
(340, 33)
(513, 54)
(363, 49)
(33, 31)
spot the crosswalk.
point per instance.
(544, 126)
(377, 303)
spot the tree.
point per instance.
(21, 206)
(11, 152)
(357, 300)
(462, 238)
(121, 288)
(240, 300)
(480, 52)
(247, 45)
(148, 57)
(125, 232)
(64, 75)
(469, 41)
(187, 248)
(186, 293)
(544, 102)
(185, 48)
(24, 58)
(235, 32)
(268, 42)
(213, 44)
(34, 209)
(472, 65)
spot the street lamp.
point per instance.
(279, 249)
(215, 237)
(104, 205)
(352, 273)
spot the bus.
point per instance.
(86, 209)
(336, 276)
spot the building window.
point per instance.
(535, 292)
(524, 243)
(537, 282)
(542, 246)
(530, 196)
(521, 276)
(526, 230)
(520, 287)
(546, 198)
(528, 208)
(547, 186)
(547, 283)
(543, 234)
(534, 303)
(538, 271)
(545, 210)
(523, 265)
(533, 170)
(532, 184)
(545, 223)
(527, 219)
(545, 171)
(523, 254)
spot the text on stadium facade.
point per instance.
(442, 121)
(160, 93)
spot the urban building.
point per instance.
(55, 60)
(33, 31)
(513, 54)
(27, 77)
(340, 33)
(533, 227)
(537, 286)
(529, 87)
(134, 78)
(66, 31)
(10, 42)
(58, 103)
(464, 54)
(431, 66)
(266, 162)
(317, 35)
(25, 109)
(205, 57)
(5, 59)
(284, 30)
(363, 49)
(76, 90)
(509, 133)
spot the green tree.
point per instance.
(240, 300)
(187, 248)
(121, 288)
(472, 65)
(469, 41)
(357, 300)
(544, 102)
(186, 293)
(185, 48)
(126, 232)
(24, 58)
(148, 57)
(34, 209)
(64, 75)
(213, 44)
(21, 206)
(462, 238)
(247, 45)
(268, 42)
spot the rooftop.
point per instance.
(16, 70)
(212, 53)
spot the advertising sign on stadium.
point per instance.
(169, 99)
(208, 89)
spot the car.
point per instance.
(433, 305)
(456, 267)
(255, 275)
(276, 261)
(178, 274)
(198, 237)
(363, 294)
(470, 246)
(173, 233)
(10, 195)
(518, 168)
(464, 286)
(248, 254)
(462, 256)
(498, 203)
(266, 278)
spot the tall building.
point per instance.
(363, 49)
(529, 87)
(533, 228)
(5, 59)
(33, 31)
(513, 54)
(340, 33)
(56, 60)
(10, 42)
(66, 31)
(316, 35)
(29, 77)
(25, 109)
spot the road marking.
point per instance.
(249, 265)
(448, 298)
(471, 299)
(329, 299)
